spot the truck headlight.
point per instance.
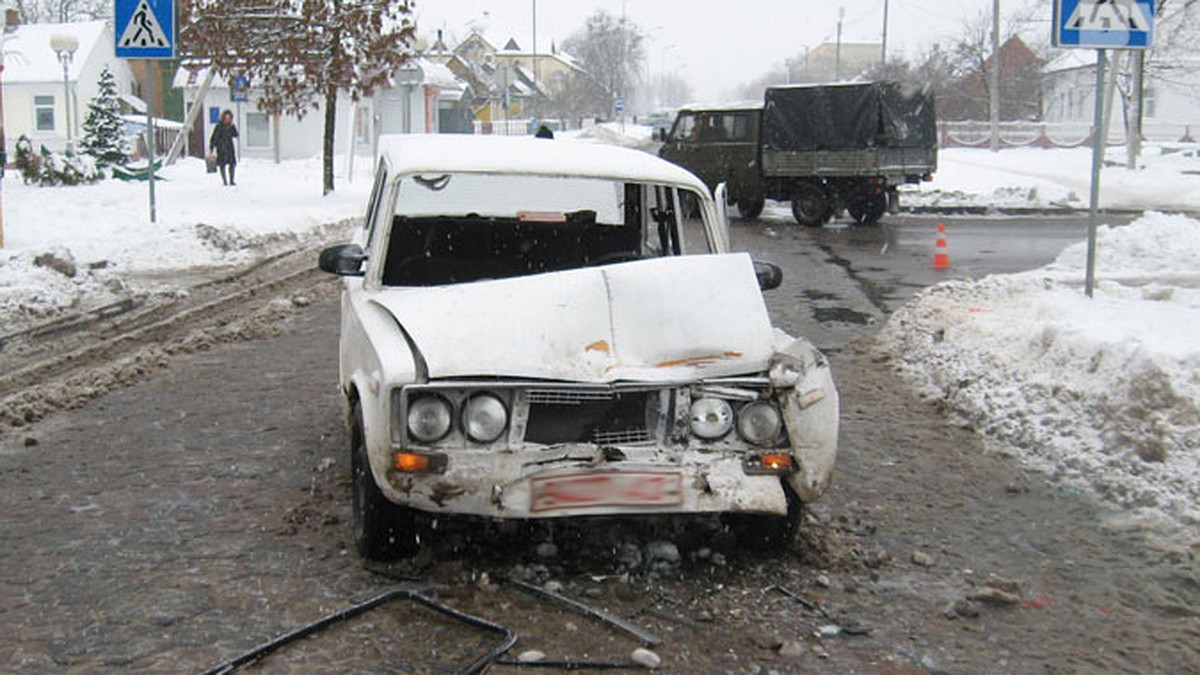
(712, 418)
(429, 418)
(484, 418)
(759, 423)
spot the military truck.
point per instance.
(824, 148)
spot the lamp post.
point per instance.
(409, 76)
(64, 47)
(837, 64)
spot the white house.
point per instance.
(1171, 89)
(427, 89)
(35, 103)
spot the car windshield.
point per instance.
(453, 228)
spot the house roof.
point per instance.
(1070, 59)
(28, 57)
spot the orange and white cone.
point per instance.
(941, 255)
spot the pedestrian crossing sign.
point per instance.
(145, 29)
(1104, 24)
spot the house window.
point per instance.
(1148, 102)
(258, 130)
(43, 110)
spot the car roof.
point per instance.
(409, 154)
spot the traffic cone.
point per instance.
(941, 257)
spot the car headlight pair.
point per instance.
(430, 418)
(713, 418)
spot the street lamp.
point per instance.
(64, 47)
(837, 67)
(408, 76)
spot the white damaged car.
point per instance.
(533, 329)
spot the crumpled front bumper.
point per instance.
(576, 481)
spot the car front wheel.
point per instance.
(382, 530)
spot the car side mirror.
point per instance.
(344, 260)
(769, 275)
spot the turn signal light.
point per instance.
(410, 462)
(415, 462)
(775, 463)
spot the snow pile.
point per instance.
(1101, 393)
(105, 230)
(1055, 178)
(633, 136)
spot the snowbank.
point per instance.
(1169, 179)
(104, 231)
(1101, 393)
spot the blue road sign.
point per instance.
(1104, 24)
(239, 89)
(145, 29)
(620, 104)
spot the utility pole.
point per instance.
(537, 80)
(883, 47)
(837, 63)
(994, 103)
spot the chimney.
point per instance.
(12, 19)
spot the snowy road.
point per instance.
(205, 509)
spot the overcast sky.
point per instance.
(715, 44)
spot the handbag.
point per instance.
(210, 162)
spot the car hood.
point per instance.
(662, 320)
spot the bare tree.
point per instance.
(62, 11)
(301, 53)
(611, 50)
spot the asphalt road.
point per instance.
(894, 259)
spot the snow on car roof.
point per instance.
(447, 153)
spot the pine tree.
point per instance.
(104, 130)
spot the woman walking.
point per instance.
(221, 142)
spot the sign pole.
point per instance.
(1097, 161)
(150, 134)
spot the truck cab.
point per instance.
(720, 145)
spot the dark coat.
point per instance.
(221, 142)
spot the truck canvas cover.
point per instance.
(847, 116)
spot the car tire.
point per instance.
(809, 205)
(768, 533)
(751, 207)
(382, 530)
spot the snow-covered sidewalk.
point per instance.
(1035, 178)
(1102, 393)
(101, 240)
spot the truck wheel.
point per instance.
(751, 208)
(809, 205)
(869, 209)
(382, 530)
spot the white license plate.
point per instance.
(595, 490)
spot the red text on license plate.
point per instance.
(592, 490)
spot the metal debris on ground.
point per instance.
(407, 592)
(848, 627)
(646, 638)
(572, 665)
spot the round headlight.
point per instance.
(759, 423)
(429, 418)
(712, 418)
(485, 418)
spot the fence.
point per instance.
(973, 134)
(522, 127)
